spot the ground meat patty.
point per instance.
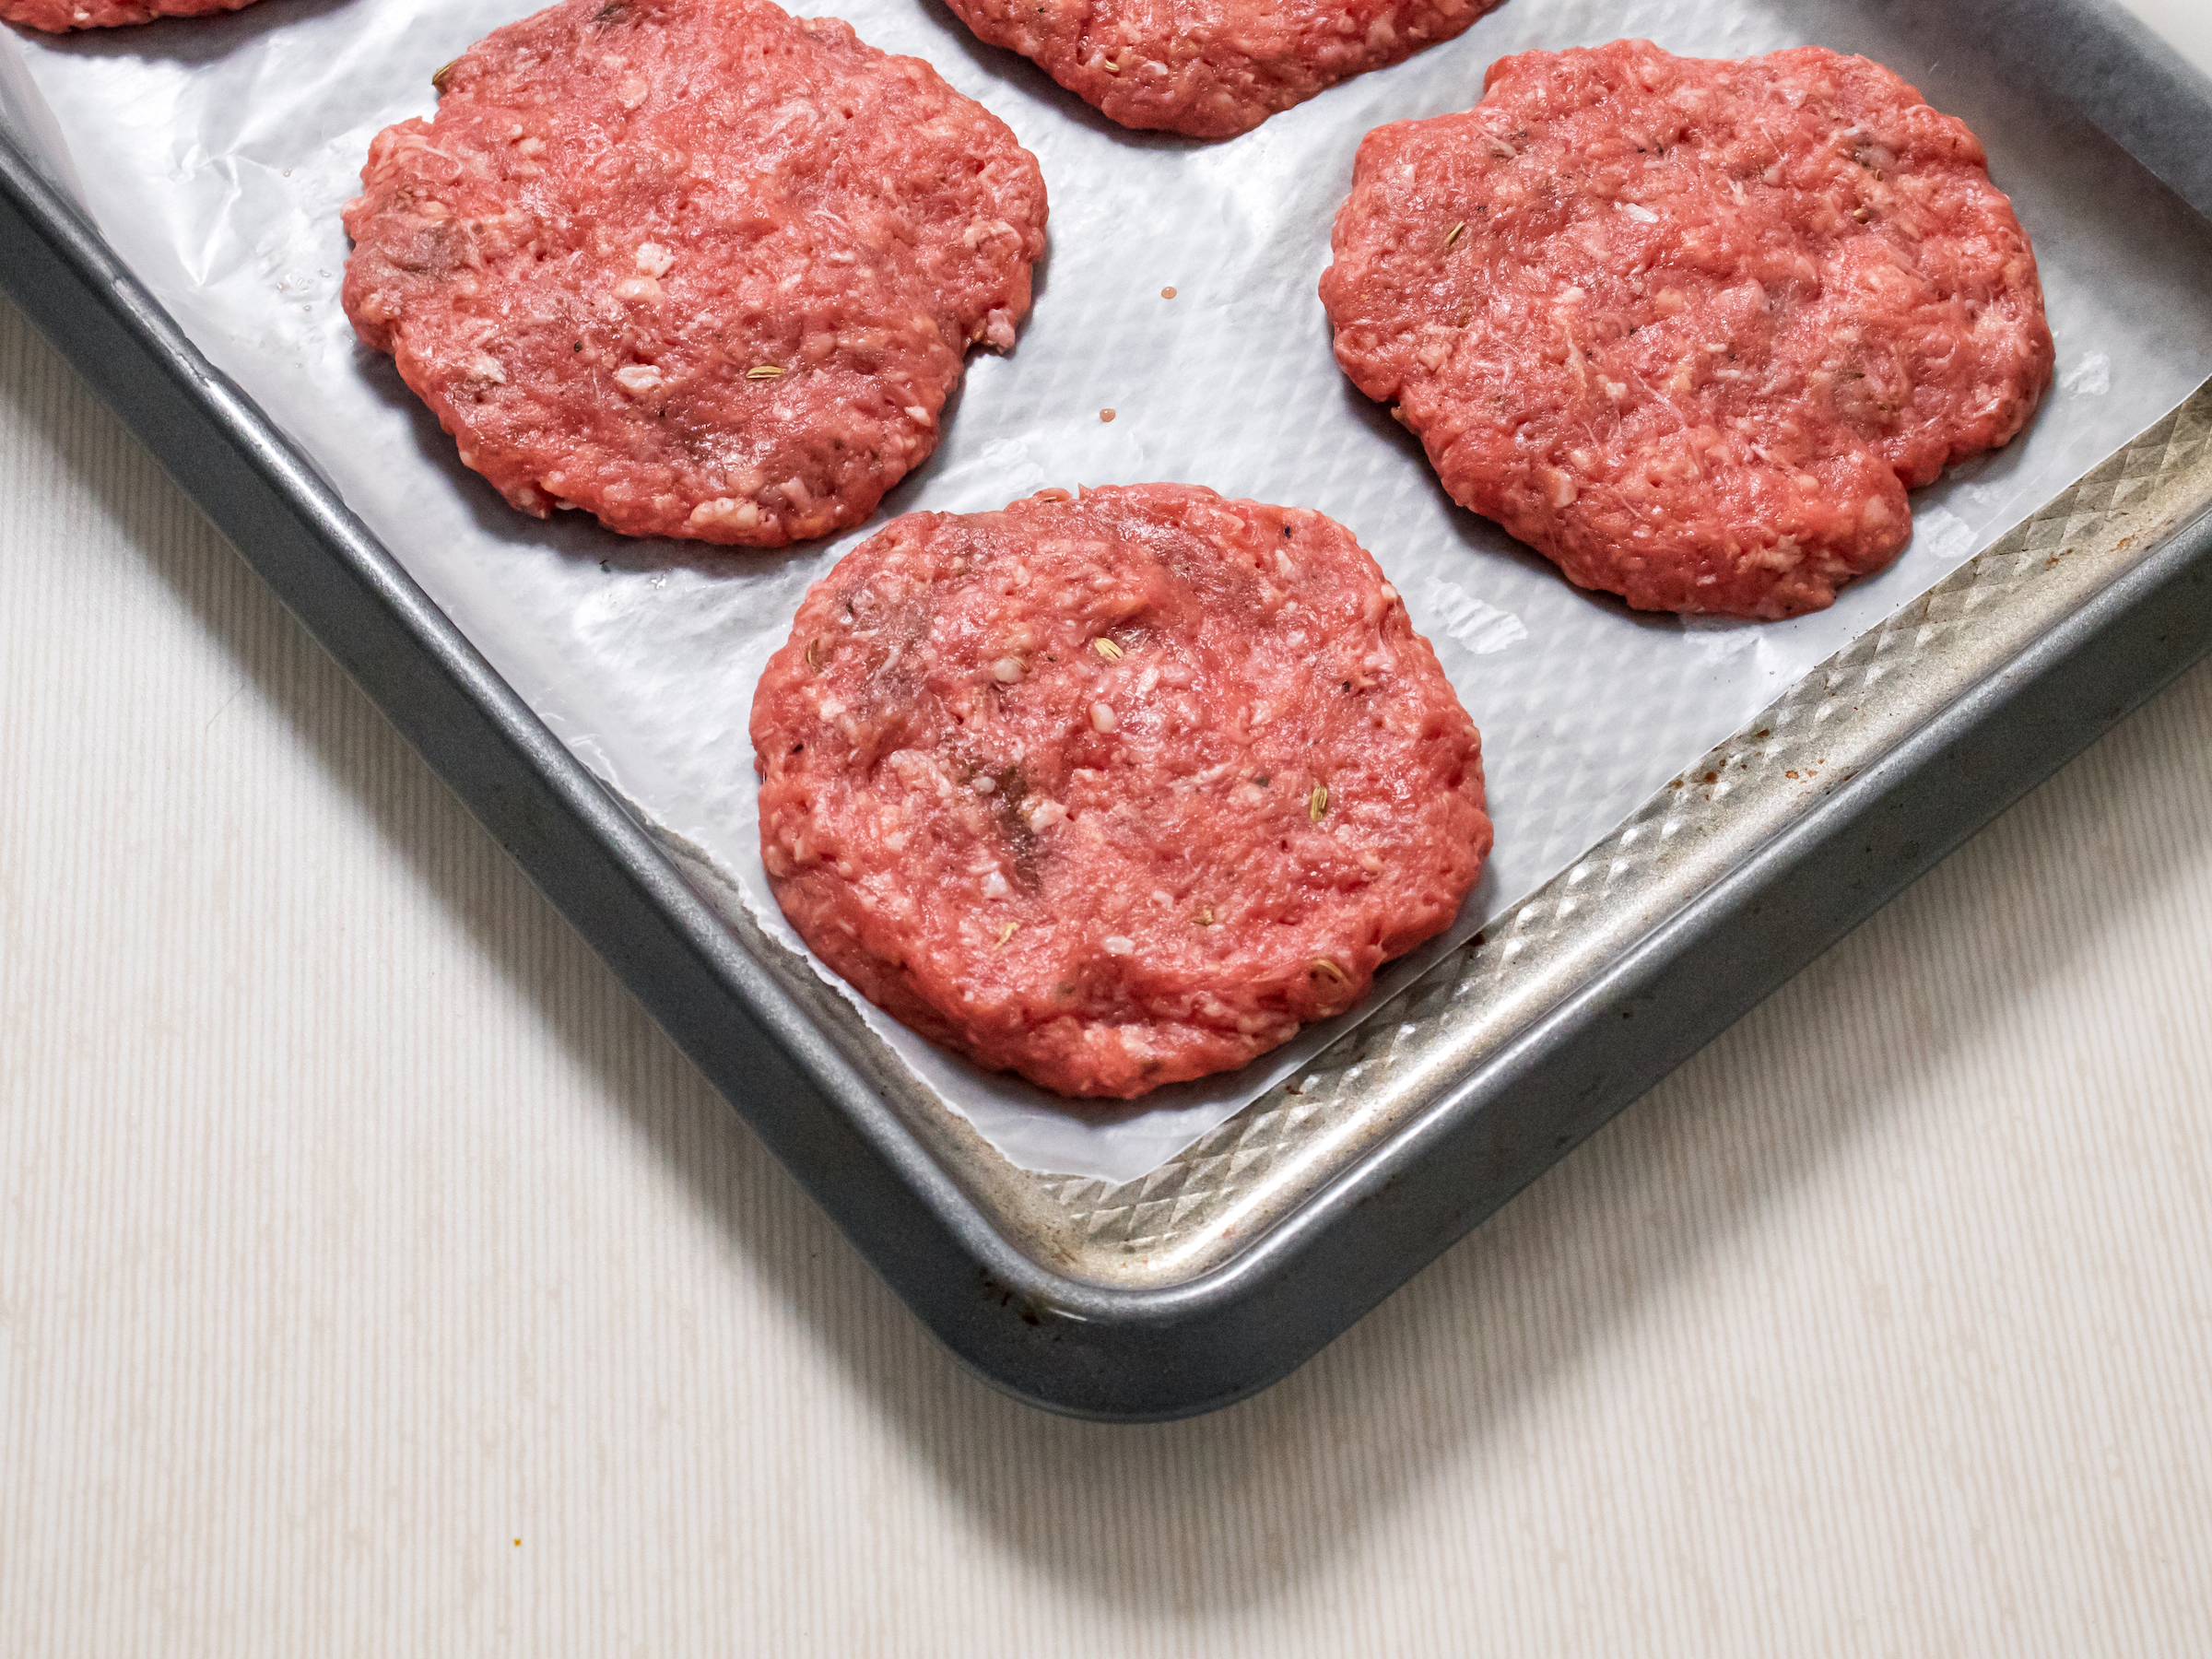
(695, 265)
(1690, 328)
(1211, 68)
(59, 17)
(1117, 791)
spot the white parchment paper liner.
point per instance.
(215, 154)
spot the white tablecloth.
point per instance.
(375, 1278)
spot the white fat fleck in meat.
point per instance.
(1102, 719)
(639, 380)
(995, 886)
(728, 510)
(1045, 814)
(1116, 944)
(653, 260)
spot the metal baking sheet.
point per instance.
(1200, 1231)
(643, 656)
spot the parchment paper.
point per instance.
(215, 154)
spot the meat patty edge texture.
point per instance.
(1689, 327)
(64, 17)
(634, 270)
(1116, 790)
(1217, 68)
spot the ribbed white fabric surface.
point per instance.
(374, 1279)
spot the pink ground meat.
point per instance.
(59, 17)
(1211, 68)
(696, 266)
(1691, 328)
(1115, 791)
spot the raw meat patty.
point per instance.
(694, 266)
(1211, 68)
(59, 17)
(1114, 790)
(1690, 328)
